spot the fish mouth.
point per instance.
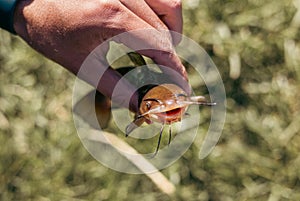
(173, 112)
(170, 116)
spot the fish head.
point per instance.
(167, 103)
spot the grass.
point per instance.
(255, 45)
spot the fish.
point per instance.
(163, 102)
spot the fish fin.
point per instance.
(94, 103)
(136, 59)
(124, 70)
(137, 122)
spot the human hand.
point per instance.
(67, 31)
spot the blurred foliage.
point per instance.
(256, 46)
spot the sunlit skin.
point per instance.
(165, 104)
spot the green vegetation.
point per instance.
(256, 46)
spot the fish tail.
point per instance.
(94, 103)
(103, 109)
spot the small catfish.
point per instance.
(165, 104)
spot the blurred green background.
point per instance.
(256, 46)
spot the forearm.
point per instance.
(7, 8)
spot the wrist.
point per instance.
(19, 22)
(7, 8)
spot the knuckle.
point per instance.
(104, 8)
(104, 12)
(176, 4)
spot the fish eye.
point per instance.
(153, 99)
(148, 105)
(180, 95)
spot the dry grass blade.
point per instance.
(142, 163)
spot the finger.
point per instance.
(96, 71)
(160, 14)
(154, 44)
(146, 40)
(170, 12)
(176, 72)
(141, 9)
